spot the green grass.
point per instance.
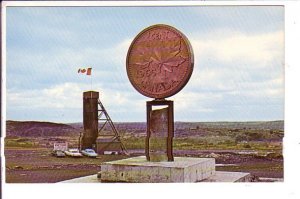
(213, 142)
(134, 143)
(20, 142)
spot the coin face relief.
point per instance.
(159, 61)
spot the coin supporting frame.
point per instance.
(170, 131)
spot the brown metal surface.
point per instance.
(90, 119)
(160, 131)
(159, 61)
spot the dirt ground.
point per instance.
(37, 165)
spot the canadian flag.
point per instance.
(87, 71)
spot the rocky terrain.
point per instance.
(36, 128)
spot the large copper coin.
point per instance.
(159, 61)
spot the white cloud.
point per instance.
(254, 49)
(66, 95)
(196, 101)
(236, 60)
(69, 96)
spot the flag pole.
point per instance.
(91, 79)
(91, 82)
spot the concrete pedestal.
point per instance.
(225, 176)
(138, 169)
(220, 176)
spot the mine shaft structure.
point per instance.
(95, 116)
(90, 119)
(105, 119)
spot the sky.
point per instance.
(238, 72)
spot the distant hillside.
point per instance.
(34, 128)
(182, 129)
(258, 125)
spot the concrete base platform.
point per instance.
(138, 169)
(220, 176)
(84, 179)
(224, 176)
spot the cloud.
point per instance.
(68, 96)
(197, 101)
(254, 49)
(232, 62)
(58, 96)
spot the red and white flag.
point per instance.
(87, 71)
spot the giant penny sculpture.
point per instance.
(159, 63)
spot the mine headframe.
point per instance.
(108, 143)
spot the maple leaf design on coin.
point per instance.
(159, 61)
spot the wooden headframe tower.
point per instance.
(104, 120)
(94, 116)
